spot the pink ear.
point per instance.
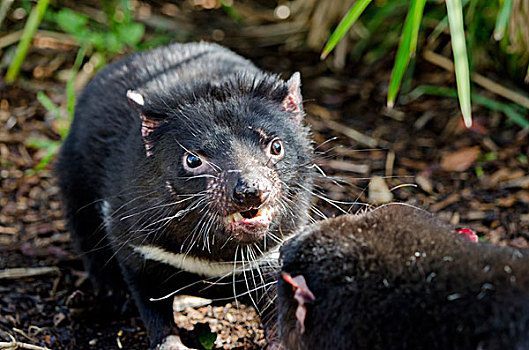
(147, 125)
(293, 101)
(303, 295)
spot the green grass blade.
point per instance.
(48, 104)
(127, 17)
(50, 147)
(407, 48)
(382, 16)
(416, 24)
(457, 33)
(51, 150)
(474, 29)
(231, 11)
(429, 90)
(36, 15)
(441, 26)
(503, 19)
(509, 110)
(349, 19)
(70, 86)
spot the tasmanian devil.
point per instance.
(398, 278)
(183, 164)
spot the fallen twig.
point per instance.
(18, 345)
(21, 272)
(339, 165)
(62, 39)
(356, 135)
(10, 39)
(479, 79)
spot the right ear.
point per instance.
(147, 125)
(293, 102)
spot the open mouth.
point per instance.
(251, 216)
(250, 223)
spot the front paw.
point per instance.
(172, 342)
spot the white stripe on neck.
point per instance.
(200, 266)
(185, 262)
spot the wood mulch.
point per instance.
(476, 178)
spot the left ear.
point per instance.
(147, 124)
(293, 101)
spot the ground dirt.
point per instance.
(475, 178)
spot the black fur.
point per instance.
(202, 98)
(398, 278)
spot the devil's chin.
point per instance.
(245, 233)
(250, 226)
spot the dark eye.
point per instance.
(276, 148)
(193, 161)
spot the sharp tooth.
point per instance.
(237, 217)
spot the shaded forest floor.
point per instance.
(476, 178)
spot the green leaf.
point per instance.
(457, 33)
(522, 158)
(71, 22)
(34, 19)
(407, 48)
(350, 18)
(502, 20)
(126, 11)
(98, 40)
(105, 42)
(131, 33)
(231, 11)
(112, 43)
(207, 340)
(489, 156)
(205, 336)
(479, 171)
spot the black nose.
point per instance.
(249, 194)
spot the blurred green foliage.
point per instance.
(475, 28)
(109, 39)
(34, 19)
(105, 38)
(63, 118)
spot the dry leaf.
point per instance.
(378, 191)
(460, 160)
(425, 183)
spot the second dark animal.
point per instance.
(398, 278)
